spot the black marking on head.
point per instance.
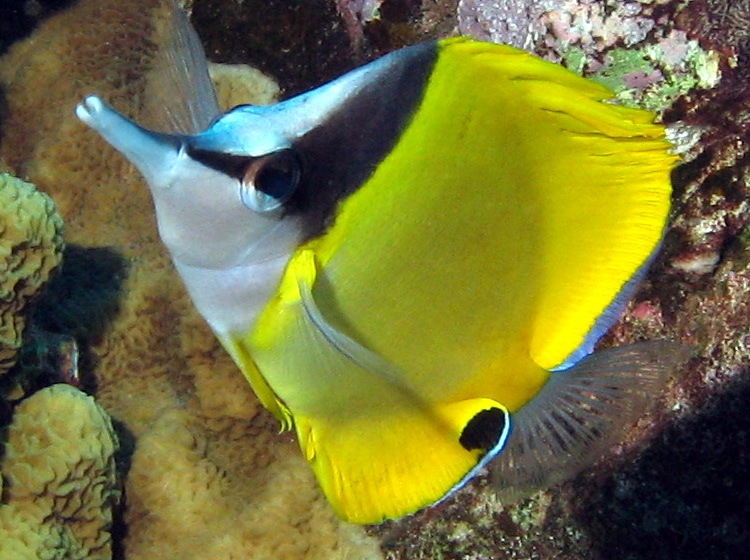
(338, 156)
(229, 164)
(484, 430)
(344, 151)
(276, 174)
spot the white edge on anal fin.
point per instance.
(580, 413)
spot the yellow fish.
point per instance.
(412, 263)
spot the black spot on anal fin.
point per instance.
(485, 430)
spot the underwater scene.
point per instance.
(374, 279)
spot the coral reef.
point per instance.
(680, 500)
(236, 83)
(82, 297)
(59, 479)
(71, 314)
(31, 247)
(505, 21)
(209, 476)
(197, 487)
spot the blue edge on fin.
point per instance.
(605, 321)
(610, 315)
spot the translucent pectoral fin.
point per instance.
(580, 413)
(238, 351)
(346, 345)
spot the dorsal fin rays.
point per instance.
(580, 413)
(179, 97)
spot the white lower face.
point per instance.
(232, 299)
(204, 223)
(230, 258)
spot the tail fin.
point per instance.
(580, 413)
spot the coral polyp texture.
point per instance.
(59, 484)
(31, 247)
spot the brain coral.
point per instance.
(59, 478)
(30, 248)
(210, 476)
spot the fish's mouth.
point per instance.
(153, 153)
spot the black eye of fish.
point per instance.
(269, 181)
(279, 174)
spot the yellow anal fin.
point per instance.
(377, 467)
(268, 398)
(378, 445)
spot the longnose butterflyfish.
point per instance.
(412, 263)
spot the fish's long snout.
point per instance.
(151, 152)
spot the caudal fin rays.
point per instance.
(580, 413)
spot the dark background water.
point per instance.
(19, 17)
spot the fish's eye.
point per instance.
(269, 181)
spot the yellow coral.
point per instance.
(30, 248)
(236, 83)
(59, 479)
(209, 508)
(209, 467)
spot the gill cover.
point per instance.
(399, 259)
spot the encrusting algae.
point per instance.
(209, 467)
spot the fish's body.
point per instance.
(412, 263)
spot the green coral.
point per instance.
(31, 245)
(622, 63)
(59, 479)
(531, 513)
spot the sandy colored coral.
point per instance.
(236, 83)
(210, 468)
(59, 477)
(30, 248)
(204, 507)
